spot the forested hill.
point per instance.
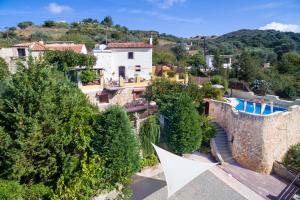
(88, 31)
(267, 40)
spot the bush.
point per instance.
(292, 157)
(4, 72)
(11, 190)
(213, 93)
(49, 23)
(207, 129)
(149, 133)
(87, 75)
(23, 25)
(38, 36)
(149, 160)
(182, 127)
(171, 74)
(220, 81)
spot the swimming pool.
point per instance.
(239, 105)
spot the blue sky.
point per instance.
(179, 17)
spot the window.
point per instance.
(130, 55)
(21, 53)
(138, 68)
(103, 98)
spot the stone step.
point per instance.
(223, 141)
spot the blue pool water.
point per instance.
(250, 107)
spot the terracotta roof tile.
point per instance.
(62, 47)
(37, 46)
(128, 45)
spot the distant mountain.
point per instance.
(269, 40)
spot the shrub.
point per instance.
(149, 133)
(37, 36)
(171, 74)
(87, 75)
(220, 81)
(292, 157)
(11, 190)
(149, 160)
(49, 23)
(182, 127)
(207, 129)
(23, 25)
(210, 92)
(4, 72)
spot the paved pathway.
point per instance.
(211, 185)
(268, 186)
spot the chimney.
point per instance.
(151, 40)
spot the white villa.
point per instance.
(126, 60)
(209, 59)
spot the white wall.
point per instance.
(111, 60)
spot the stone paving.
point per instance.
(211, 185)
(268, 186)
(205, 187)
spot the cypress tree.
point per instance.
(182, 127)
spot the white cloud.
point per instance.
(282, 27)
(166, 3)
(57, 9)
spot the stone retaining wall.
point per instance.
(257, 140)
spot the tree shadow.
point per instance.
(143, 187)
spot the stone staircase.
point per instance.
(220, 145)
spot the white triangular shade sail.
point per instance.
(179, 171)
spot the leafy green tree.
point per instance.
(38, 36)
(149, 133)
(163, 58)
(218, 64)
(107, 21)
(46, 130)
(49, 23)
(261, 87)
(116, 141)
(196, 60)
(289, 63)
(164, 92)
(4, 72)
(90, 21)
(67, 60)
(87, 75)
(23, 25)
(249, 67)
(182, 127)
(180, 51)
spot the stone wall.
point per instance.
(119, 97)
(257, 140)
